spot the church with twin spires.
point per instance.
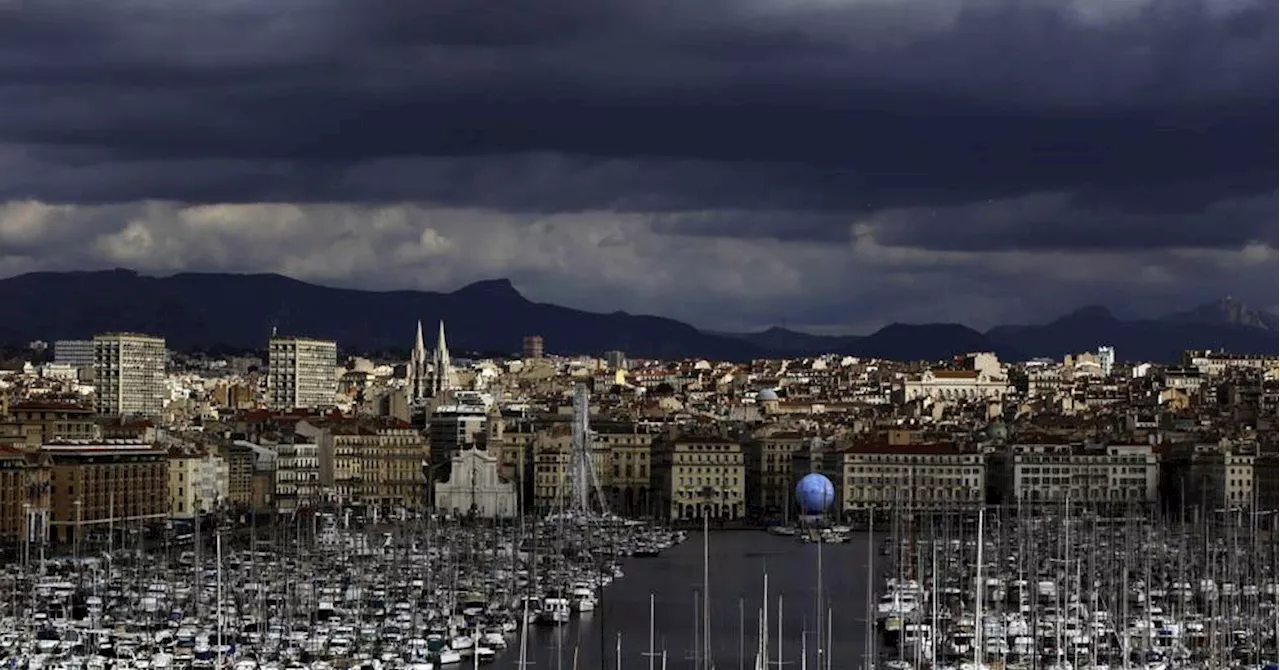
(430, 377)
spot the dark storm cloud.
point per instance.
(1055, 221)
(796, 118)
(794, 226)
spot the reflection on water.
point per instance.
(738, 562)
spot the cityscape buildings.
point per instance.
(300, 372)
(676, 440)
(532, 347)
(129, 374)
(76, 353)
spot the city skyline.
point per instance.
(830, 166)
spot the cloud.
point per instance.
(605, 261)
(878, 101)
(840, 163)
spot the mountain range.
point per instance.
(241, 310)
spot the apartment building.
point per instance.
(616, 360)
(553, 464)
(952, 385)
(1217, 363)
(532, 347)
(33, 423)
(1211, 476)
(240, 459)
(628, 454)
(514, 450)
(297, 476)
(24, 493)
(95, 485)
(301, 373)
(374, 463)
(457, 426)
(1228, 477)
(1266, 481)
(129, 372)
(769, 473)
(878, 475)
(697, 476)
(1087, 474)
(198, 484)
(78, 354)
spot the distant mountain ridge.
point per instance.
(1226, 311)
(1222, 324)
(240, 310)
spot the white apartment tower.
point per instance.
(129, 371)
(1106, 359)
(301, 373)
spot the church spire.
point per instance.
(444, 380)
(442, 348)
(418, 363)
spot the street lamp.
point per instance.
(26, 535)
(75, 551)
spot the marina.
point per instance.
(316, 594)
(1076, 589)
(1060, 591)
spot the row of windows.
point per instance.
(1088, 494)
(936, 493)
(927, 468)
(1082, 468)
(1023, 457)
(922, 459)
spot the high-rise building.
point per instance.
(1106, 360)
(533, 346)
(129, 373)
(76, 353)
(616, 360)
(301, 373)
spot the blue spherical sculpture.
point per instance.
(815, 493)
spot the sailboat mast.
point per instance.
(651, 654)
(981, 587)
(829, 638)
(524, 637)
(933, 594)
(818, 620)
(218, 551)
(706, 588)
(764, 621)
(868, 639)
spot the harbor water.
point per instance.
(738, 562)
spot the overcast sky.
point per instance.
(831, 165)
